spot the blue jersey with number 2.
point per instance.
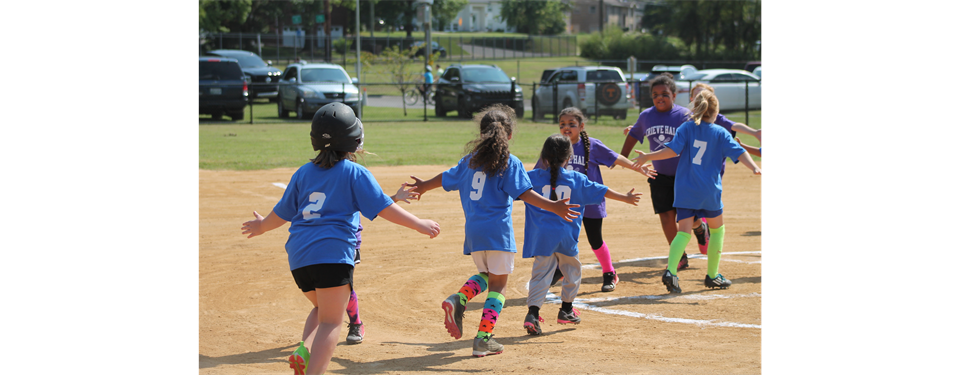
(323, 207)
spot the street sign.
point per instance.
(320, 18)
(296, 20)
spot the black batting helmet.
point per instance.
(336, 127)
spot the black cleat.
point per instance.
(684, 263)
(717, 282)
(671, 282)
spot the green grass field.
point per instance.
(285, 143)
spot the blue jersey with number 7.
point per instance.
(702, 150)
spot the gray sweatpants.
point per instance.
(543, 267)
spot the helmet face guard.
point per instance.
(335, 127)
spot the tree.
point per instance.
(223, 16)
(400, 69)
(445, 10)
(398, 14)
(535, 17)
(707, 26)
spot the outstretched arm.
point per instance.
(424, 186)
(747, 161)
(404, 195)
(259, 225)
(755, 151)
(560, 207)
(628, 144)
(663, 153)
(629, 197)
(646, 169)
(743, 128)
(397, 215)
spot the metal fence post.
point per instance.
(556, 109)
(746, 101)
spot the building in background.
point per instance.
(625, 14)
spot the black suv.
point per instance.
(469, 88)
(223, 88)
(263, 77)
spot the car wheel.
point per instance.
(622, 114)
(300, 114)
(462, 110)
(281, 112)
(236, 116)
(537, 111)
(438, 108)
(519, 110)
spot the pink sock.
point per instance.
(353, 308)
(603, 256)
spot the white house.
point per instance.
(478, 15)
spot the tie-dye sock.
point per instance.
(353, 308)
(491, 311)
(475, 285)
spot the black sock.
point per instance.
(533, 310)
(566, 306)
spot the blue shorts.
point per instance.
(683, 213)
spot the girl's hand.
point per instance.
(404, 195)
(647, 170)
(564, 209)
(253, 226)
(632, 198)
(626, 130)
(639, 160)
(738, 141)
(429, 227)
(756, 170)
(758, 134)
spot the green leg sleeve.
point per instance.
(676, 251)
(713, 251)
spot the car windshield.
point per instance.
(603, 76)
(220, 70)
(485, 75)
(248, 61)
(324, 75)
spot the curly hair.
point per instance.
(491, 150)
(665, 79)
(556, 151)
(584, 137)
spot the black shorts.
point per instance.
(661, 193)
(320, 276)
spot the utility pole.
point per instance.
(600, 11)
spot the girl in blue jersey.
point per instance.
(323, 202)
(553, 242)
(489, 180)
(702, 146)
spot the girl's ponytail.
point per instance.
(703, 104)
(491, 150)
(555, 153)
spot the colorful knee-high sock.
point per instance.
(491, 311)
(676, 250)
(603, 256)
(353, 308)
(475, 285)
(713, 251)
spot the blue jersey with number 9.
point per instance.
(487, 202)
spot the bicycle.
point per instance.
(413, 96)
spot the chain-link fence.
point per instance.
(282, 49)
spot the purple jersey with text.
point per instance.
(659, 128)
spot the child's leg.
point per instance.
(493, 305)
(310, 326)
(594, 229)
(540, 277)
(668, 222)
(330, 317)
(353, 308)
(716, 245)
(571, 267)
(475, 285)
(679, 244)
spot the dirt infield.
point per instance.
(252, 313)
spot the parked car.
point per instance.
(263, 76)
(730, 85)
(223, 88)
(421, 48)
(679, 73)
(305, 88)
(469, 88)
(593, 89)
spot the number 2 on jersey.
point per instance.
(563, 192)
(316, 202)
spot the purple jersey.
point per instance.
(659, 128)
(600, 154)
(726, 124)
